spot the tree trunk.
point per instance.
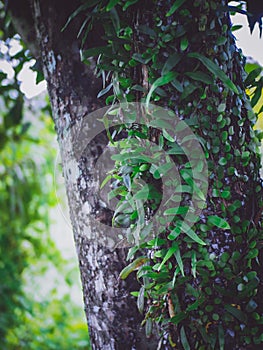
(113, 319)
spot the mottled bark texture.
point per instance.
(113, 319)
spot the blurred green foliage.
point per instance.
(30, 318)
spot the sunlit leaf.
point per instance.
(215, 220)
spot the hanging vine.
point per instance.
(201, 284)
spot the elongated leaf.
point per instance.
(217, 71)
(217, 221)
(168, 255)
(160, 123)
(142, 194)
(195, 304)
(200, 76)
(140, 300)
(147, 30)
(133, 266)
(171, 62)
(252, 76)
(190, 233)
(178, 317)
(165, 79)
(179, 259)
(176, 211)
(221, 338)
(188, 90)
(175, 7)
(193, 263)
(177, 85)
(148, 327)
(78, 10)
(104, 91)
(167, 136)
(83, 26)
(184, 339)
(256, 96)
(115, 20)
(174, 234)
(106, 180)
(240, 315)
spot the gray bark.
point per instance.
(113, 319)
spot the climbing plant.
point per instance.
(200, 282)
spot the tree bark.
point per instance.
(113, 319)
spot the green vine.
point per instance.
(201, 283)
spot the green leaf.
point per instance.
(176, 84)
(180, 316)
(222, 161)
(240, 315)
(195, 304)
(167, 136)
(184, 44)
(140, 300)
(147, 30)
(213, 68)
(171, 62)
(133, 266)
(200, 76)
(115, 20)
(177, 4)
(165, 79)
(142, 194)
(178, 258)
(221, 338)
(215, 220)
(252, 76)
(148, 327)
(78, 10)
(188, 90)
(106, 180)
(160, 123)
(233, 29)
(181, 210)
(184, 339)
(190, 233)
(111, 4)
(129, 3)
(256, 96)
(168, 255)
